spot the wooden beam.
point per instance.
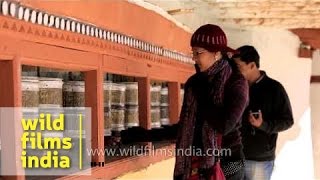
(308, 36)
(57, 57)
(315, 79)
(130, 67)
(140, 67)
(257, 12)
(263, 1)
(180, 11)
(308, 33)
(287, 23)
(265, 5)
(314, 43)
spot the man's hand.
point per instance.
(255, 119)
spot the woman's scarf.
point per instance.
(209, 85)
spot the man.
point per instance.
(269, 112)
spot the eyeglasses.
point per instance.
(197, 53)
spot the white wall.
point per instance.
(315, 113)
(316, 63)
(278, 50)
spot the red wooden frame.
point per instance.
(29, 44)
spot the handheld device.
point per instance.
(255, 114)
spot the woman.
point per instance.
(215, 98)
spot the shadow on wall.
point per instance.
(289, 135)
(300, 109)
(295, 151)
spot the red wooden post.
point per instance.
(94, 100)
(10, 93)
(144, 102)
(174, 101)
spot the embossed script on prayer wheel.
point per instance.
(117, 118)
(164, 115)
(107, 86)
(155, 117)
(118, 94)
(107, 123)
(50, 91)
(30, 91)
(131, 93)
(155, 95)
(78, 89)
(164, 100)
(164, 106)
(131, 116)
(67, 94)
